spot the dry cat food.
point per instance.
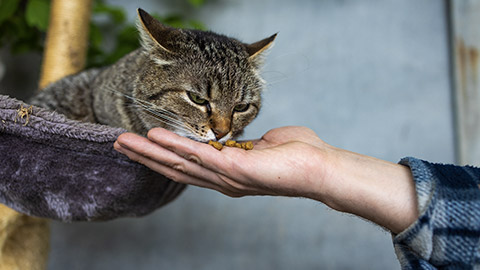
(244, 145)
(217, 145)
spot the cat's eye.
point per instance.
(196, 99)
(241, 107)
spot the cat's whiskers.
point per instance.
(278, 77)
(172, 125)
(163, 118)
(179, 127)
(147, 104)
(161, 113)
(143, 102)
(152, 110)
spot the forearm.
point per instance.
(293, 161)
(288, 161)
(377, 190)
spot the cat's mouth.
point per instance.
(199, 133)
(210, 136)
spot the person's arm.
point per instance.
(288, 161)
(433, 210)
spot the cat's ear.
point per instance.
(152, 32)
(256, 49)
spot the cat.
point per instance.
(198, 84)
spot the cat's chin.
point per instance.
(210, 136)
(226, 138)
(195, 137)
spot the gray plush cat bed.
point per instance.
(67, 170)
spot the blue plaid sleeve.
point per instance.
(447, 232)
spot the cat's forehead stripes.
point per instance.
(188, 88)
(207, 76)
(209, 89)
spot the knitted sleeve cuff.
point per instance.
(447, 232)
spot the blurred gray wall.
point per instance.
(368, 76)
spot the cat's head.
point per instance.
(199, 84)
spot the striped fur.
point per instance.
(152, 86)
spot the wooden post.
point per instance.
(465, 44)
(67, 39)
(24, 240)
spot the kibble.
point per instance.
(231, 143)
(217, 145)
(247, 145)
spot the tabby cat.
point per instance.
(201, 85)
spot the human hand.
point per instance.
(282, 162)
(287, 161)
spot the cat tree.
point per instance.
(65, 52)
(56, 168)
(67, 38)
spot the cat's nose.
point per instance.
(220, 126)
(220, 133)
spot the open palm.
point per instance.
(282, 162)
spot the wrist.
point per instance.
(377, 190)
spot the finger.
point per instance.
(223, 168)
(233, 166)
(200, 153)
(178, 176)
(162, 160)
(146, 148)
(158, 150)
(175, 175)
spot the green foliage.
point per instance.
(7, 8)
(196, 3)
(121, 34)
(37, 12)
(23, 26)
